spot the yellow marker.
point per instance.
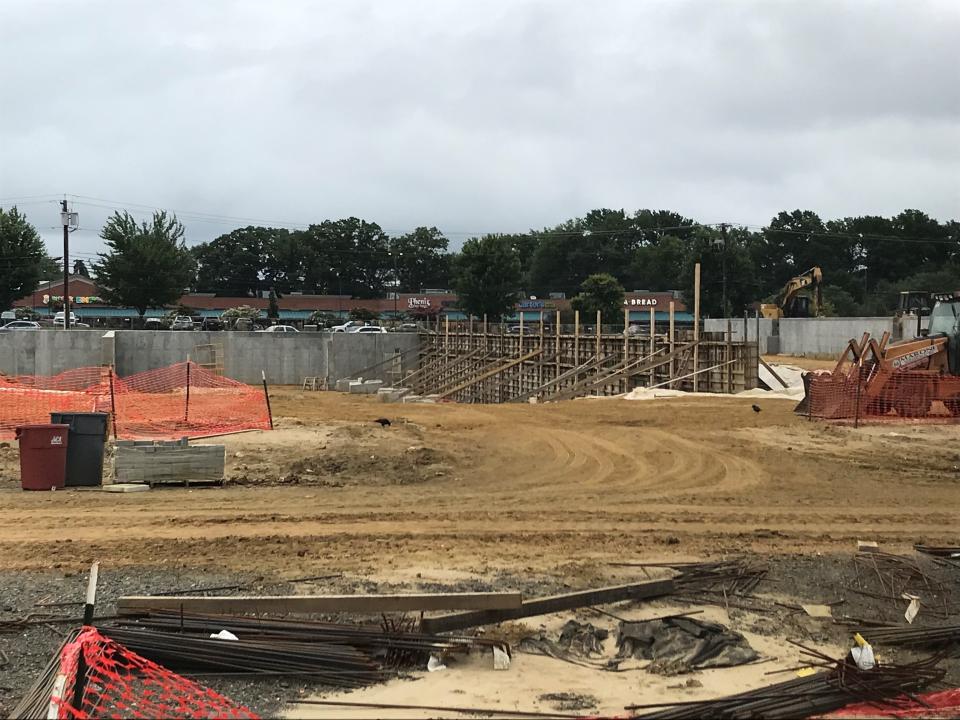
(806, 672)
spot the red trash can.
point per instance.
(43, 456)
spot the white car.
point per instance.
(58, 318)
(350, 326)
(370, 329)
(21, 325)
(279, 329)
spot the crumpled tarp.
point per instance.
(680, 644)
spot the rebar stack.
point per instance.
(840, 685)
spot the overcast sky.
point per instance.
(481, 116)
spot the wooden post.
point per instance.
(626, 346)
(558, 345)
(520, 341)
(599, 328)
(696, 324)
(576, 338)
(729, 356)
(486, 335)
(673, 367)
(540, 356)
(653, 334)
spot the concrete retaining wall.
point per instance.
(287, 358)
(814, 336)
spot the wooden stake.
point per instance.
(599, 327)
(653, 333)
(576, 338)
(673, 367)
(558, 344)
(696, 324)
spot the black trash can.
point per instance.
(88, 433)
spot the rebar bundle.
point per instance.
(841, 683)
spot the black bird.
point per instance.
(756, 408)
(384, 423)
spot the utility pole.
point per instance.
(65, 219)
(723, 267)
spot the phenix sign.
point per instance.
(915, 357)
(418, 303)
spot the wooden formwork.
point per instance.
(481, 363)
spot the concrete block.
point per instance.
(356, 387)
(343, 385)
(408, 398)
(371, 387)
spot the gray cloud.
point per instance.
(491, 116)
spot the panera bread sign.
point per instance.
(641, 301)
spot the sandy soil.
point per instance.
(558, 488)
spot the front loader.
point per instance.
(908, 379)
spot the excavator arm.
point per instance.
(787, 298)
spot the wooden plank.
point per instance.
(773, 372)
(555, 603)
(308, 604)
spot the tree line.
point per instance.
(866, 260)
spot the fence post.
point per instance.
(856, 413)
(186, 409)
(113, 403)
(263, 374)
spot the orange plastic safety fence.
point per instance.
(100, 678)
(182, 400)
(873, 395)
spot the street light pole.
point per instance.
(65, 219)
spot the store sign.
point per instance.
(75, 299)
(642, 301)
(531, 305)
(418, 303)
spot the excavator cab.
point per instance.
(945, 321)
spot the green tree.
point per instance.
(721, 254)
(51, 268)
(363, 314)
(488, 277)
(147, 265)
(349, 254)
(601, 292)
(419, 258)
(273, 309)
(234, 265)
(22, 257)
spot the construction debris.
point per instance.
(680, 645)
(840, 684)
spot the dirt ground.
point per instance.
(536, 498)
(470, 488)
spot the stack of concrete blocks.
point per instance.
(365, 387)
(343, 385)
(175, 461)
(420, 398)
(391, 394)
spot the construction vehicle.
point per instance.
(793, 302)
(914, 378)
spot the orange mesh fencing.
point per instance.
(99, 678)
(871, 394)
(182, 400)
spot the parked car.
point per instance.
(7, 316)
(211, 324)
(154, 324)
(370, 329)
(349, 326)
(407, 327)
(73, 323)
(182, 322)
(21, 325)
(279, 329)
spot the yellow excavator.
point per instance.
(793, 302)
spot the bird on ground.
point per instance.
(756, 408)
(384, 423)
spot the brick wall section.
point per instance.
(175, 461)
